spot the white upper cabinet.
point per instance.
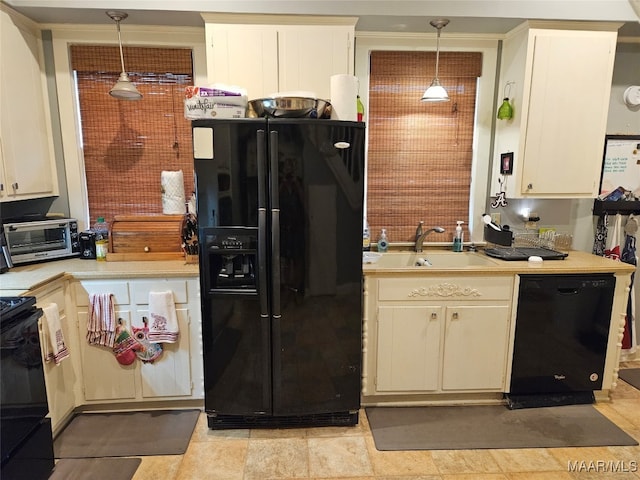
(268, 54)
(559, 78)
(27, 159)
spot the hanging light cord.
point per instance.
(438, 49)
(120, 44)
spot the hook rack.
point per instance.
(507, 89)
(600, 207)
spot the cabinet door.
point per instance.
(170, 374)
(475, 348)
(243, 55)
(310, 55)
(24, 127)
(566, 112)
(408, 348)
(104, 378)
(60, 379)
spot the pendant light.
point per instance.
(124, 89)
(436, 92)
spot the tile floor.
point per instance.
(350, 453)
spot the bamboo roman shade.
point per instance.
(127, 144)
(419, 154)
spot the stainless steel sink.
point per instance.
(434, 260)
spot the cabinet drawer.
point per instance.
(120, 291)
(445, 288)
(140, 290)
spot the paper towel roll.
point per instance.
(344, 97)
(173, 198)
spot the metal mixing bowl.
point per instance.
(291, 107)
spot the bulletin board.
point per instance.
(621, 164)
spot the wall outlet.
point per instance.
(495, 218)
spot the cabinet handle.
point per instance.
(454, 316)
(15, 186)
(1, 187)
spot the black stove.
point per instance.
(26, 444)
(11, 307)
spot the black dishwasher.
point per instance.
(562, 330)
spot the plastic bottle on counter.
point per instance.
(457, 238)
(383, 243)
(102, 238)
(366, 237)
(360, 109)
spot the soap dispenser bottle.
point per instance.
(366, 238)
(383, 243)
(457, 239)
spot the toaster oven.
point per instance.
(40, 240)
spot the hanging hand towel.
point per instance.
(614, 239)
(101, 324)
(164, 320)
(54, 347)
(629, 255)
(600, 240)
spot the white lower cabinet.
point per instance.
(475, 347)
(60, 379)
(408, 348)
(437, 335)
(102, 376)
(170, 375)
(176, 374)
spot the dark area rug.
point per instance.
(95, 469)
(631, 376)
(491, 426)
(126, 434)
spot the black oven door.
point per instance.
(23, 395)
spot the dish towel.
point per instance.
(54, 347)
(164, 319)
(629, 255)
(101, 324)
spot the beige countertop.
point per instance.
(576, 262)
(23, 278)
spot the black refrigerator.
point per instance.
(280, 233)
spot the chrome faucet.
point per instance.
(420, 235)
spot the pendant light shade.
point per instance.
(436, 92)
(124, 89)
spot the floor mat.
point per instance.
(95, 469)
(126, 434)
(631, 376)
(492, 426)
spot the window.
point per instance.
(420, 154)
(127, 144)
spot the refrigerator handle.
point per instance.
(260, 158)
(275, 224)
(262, 225)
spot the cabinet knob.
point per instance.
(529, 186)
(1, 187)
(434, 315)
(147, 249)
(454, 316)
